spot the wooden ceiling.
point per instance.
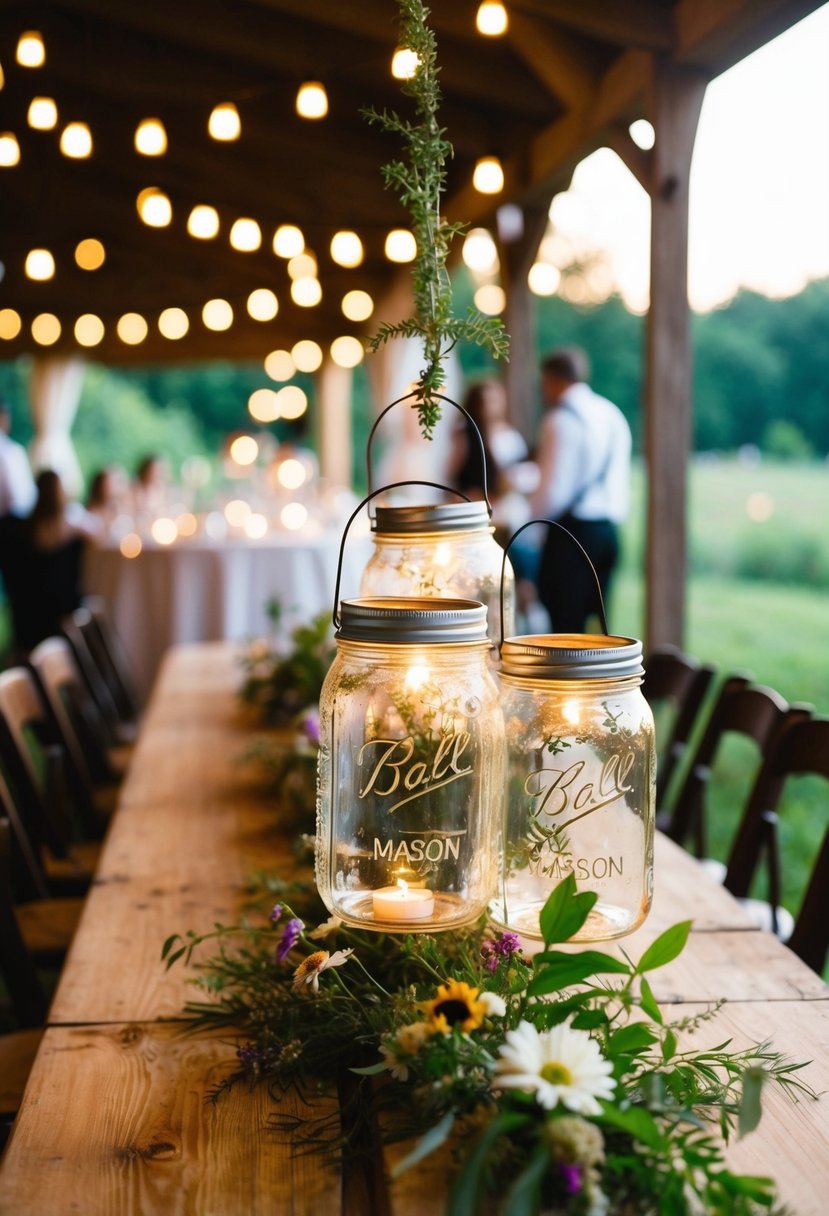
(569, 76)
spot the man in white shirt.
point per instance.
(584, 484)
(17, 486)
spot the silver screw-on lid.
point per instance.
(412, 619)
(571, 656)
(431, 517)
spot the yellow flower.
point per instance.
(456, 1004)
(312, 967)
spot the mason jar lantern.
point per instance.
(411, 750)
(580, 781)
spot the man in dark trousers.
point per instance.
(584, 464)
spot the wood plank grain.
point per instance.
(117, 1120)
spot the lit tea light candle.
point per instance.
(402, 903)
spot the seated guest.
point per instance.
(40, 561)
(104, 499)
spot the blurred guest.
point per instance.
(149, 488)
(584, 465)
(17, 486)
(40, 560)
(104, 499)
(503, 446)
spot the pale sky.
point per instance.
(759, 212)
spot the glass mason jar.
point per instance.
(411, 749)
(580, 781)
(445, 549)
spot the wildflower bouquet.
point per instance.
(281, 682)
(556, 1078)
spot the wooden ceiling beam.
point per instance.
(560, 61)
(645, 24)
(715, 34)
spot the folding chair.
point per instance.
(678, 682)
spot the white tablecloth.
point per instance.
(204, 591)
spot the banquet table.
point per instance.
(204, 590)
(115, 1120)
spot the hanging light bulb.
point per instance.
(154, 207)
(31, 53)
(42, 114)
(217, 315)
(262, 304)
(90, 254)
(224, 122)
(543, 279)
(357, 305)
(306, 292)
(488, 177)
(132, 328)
(346, 249)
(303, 265)
(203, 222)
(491, 18)
(173, 323)
(400, 245)
(404, 63)
(479, 251)
(40, 265)
(490, 299)
(76, 141)
(9, 150)
(46, 329)
(347, 351)
(151, 137)
(288, 241)
(312, 100)
(89, 330)
(246, 235)
(10, 323)
(307, 355)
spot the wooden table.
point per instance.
(115, 1120)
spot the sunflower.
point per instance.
(456, 1004)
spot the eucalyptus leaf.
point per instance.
(750, 1104)
(431, 1140)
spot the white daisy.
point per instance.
(558, 1065)
(326, 928)
(407, 1042)
(312, 967)
(495, 1005)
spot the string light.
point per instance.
(346, 249)
(46, 329)
(306, 292)
(312, 100)
(154, 207)
(131, 545)
(217, 315)
(306, 355)
(76, 141)
(293, 516)
(263, 405)
(543, 279)
(10, 324)
(642, 133)
(292, 402)
(9, 150)
(151, 137)
(164, 531)
(42, 114)
(400, 245)
(488, 177)
(244, 451)
(347, 351)
(490, 299)
(203, 222)
(40, 265)
(491, 18)
(89, 329)
(303, 266)
(173, 323)
(357, 305)
(480, 252)
(31, 53)
(246, 235)
(404, 63)
(224, 123)
(262, 304)
(279, 365)
(291, 474)
(132, 328)
(90, 254)
(288, 241)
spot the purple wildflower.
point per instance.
(495, 949)
(572, 1178)
(276, 912)
(311, 726)
(289, 938)
(489, 954)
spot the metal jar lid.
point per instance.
(407, 620)
(431, 517)
(571, 656)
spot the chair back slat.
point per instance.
(16, 966)
(675, 678)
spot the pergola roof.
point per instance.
(568, 77)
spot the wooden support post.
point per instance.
(521, 373)
(677, 99)
(334, 423)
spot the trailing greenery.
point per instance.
(419, 181)
(283, 681)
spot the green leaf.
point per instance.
(666, 947)
(175, 956)
(466, 1189)
(637, 1122)
(524, 1195)
(756, 1187)
(561, 970)
(750, 1105)
(370, 1070)
(647, 1002)
(565, 911)
(630, 1039)
(431, 1140)
(668, 1045)
(168, 945)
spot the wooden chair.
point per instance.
(751, 711)
(75, 629)
(105, 645)
(676, 682)
(801, 748)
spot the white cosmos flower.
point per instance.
(558, 1065)
(326, 929)
(495, 1005)
(312, 967)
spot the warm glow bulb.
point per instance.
(9, 150)
(346, 249)
(404, 63)
(400, 245)
(291, 474)
(303, 266)
(488, 177)
(312, 100)
(76, 141)
(187, 524)
(256, 526)
(43, 114)
(306, 292)
(642, 133)
(89, 329)
(90, 254)
(279, 365)
(490, 299)
(263, 406)
(132, 328)
(237, 510)
(262, 304)
(173, 323)
(491, 18)
(292, 402)
(154, 207)
(31, 53)
(357, 305)
(246, 235)
(543, 279)
(293, 516)
(40, 265)
(244, 450)
(10, 323)
(224, 123)
(288, 241)
(347, 351)
(151, 137)
(306, 355)
(46, 329)
(203, 222)
(164, 531)
(217, 315)
(480, 252)
(131, 545)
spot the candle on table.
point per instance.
(401, 903)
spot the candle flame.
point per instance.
(402, 886)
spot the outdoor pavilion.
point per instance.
(567, 77)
